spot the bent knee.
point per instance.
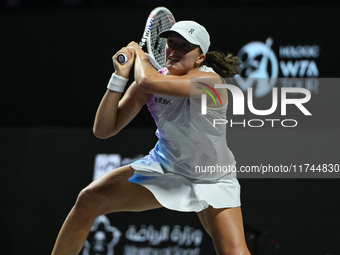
(96, 201)
(87, 201)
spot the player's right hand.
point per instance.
(123, 70)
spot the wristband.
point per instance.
(117, 83)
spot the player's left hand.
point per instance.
(123, 70)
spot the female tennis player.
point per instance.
(167, 176)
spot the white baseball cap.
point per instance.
(191, 31)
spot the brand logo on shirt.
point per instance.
(162, 100)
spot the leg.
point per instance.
(110, 193)
(225, 226)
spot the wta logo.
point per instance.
(204, 97)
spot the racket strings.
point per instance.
(160, 23)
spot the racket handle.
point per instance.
(121, 58)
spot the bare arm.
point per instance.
(170, 85)
(150, 81)
(113, 112)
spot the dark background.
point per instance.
(55, 64)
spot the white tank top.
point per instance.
(188, 142)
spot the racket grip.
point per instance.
(121, 58)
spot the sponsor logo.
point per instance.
(176, 240)
(171, 18)
(162, 100)
(147, 29)
(102, 238)
(260, 61)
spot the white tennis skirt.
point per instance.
(179, 193)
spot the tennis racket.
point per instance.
(160, 19)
